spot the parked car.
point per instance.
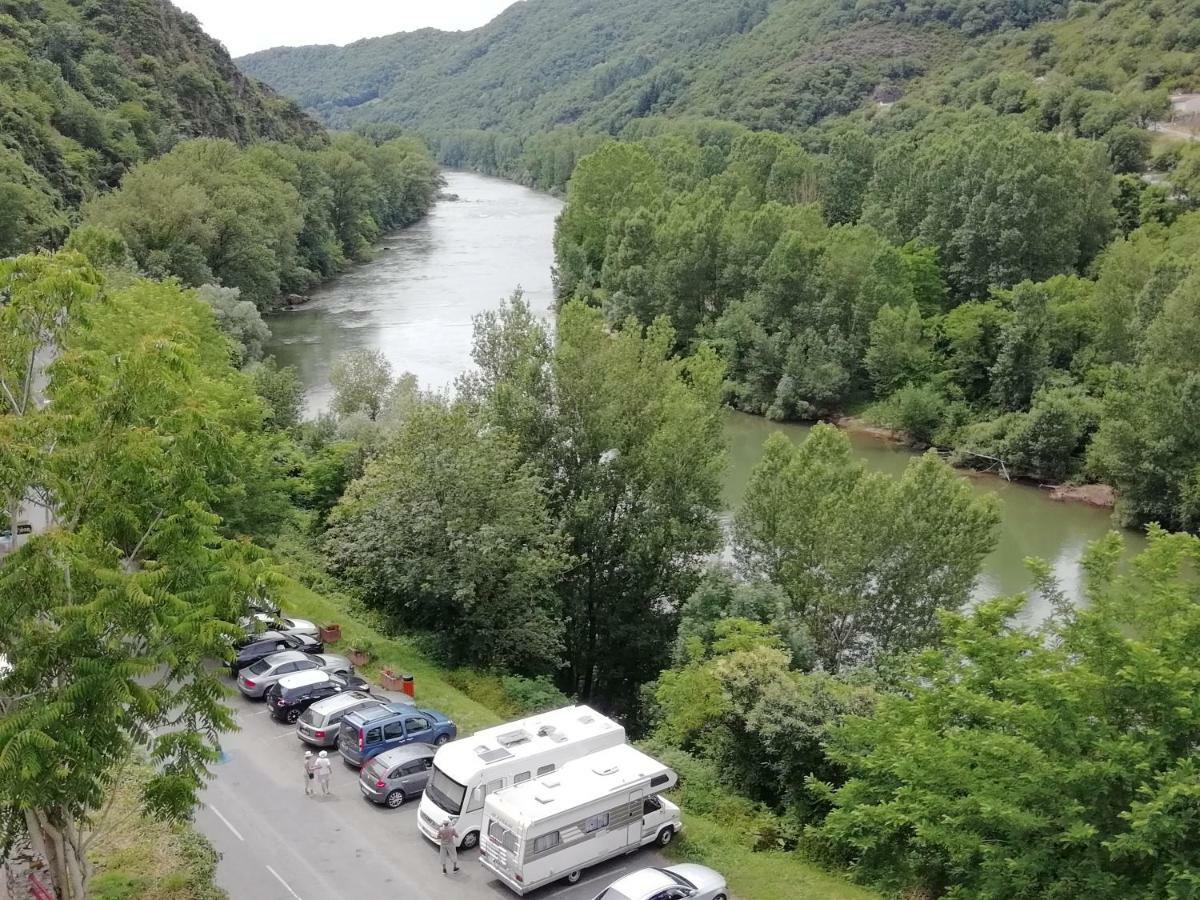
(686, 881)
(254, 680)
(318, 725)
(367, 733)
(249, 651)
(291, 695)
(397, 775)
(274, 622)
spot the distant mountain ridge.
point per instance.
(777, 64)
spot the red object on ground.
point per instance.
(408, 686)
(39, 890)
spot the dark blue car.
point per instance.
(368, 732)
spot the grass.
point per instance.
(723, 837)
(138, 858)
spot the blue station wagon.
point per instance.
(368, 732)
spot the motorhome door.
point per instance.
(634, 836)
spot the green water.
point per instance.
(415, 301)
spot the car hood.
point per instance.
(704, 878)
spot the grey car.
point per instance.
(254, 680)
(686, 881)
(318, 725)
(397, 775)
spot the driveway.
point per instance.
(277, 844)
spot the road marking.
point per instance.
(286, 734)
(286, 886)
(237, 834)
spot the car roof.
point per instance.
(286, 656)
(643, 882)
(404, 754)
(386, 711)
(302, 679)
(342, 700)
(264, 637)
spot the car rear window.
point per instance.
(376, 768)
(259, 667)
(313, 718)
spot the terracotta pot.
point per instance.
(391, 681)
(359, 658)
(331, 633)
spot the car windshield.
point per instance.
(677, 878)
(446, 792)
(259, 667)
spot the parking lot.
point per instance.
(278, 844)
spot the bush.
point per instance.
(917, 410)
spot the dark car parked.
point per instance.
(289, 697)
(250, 650)
(367, 733)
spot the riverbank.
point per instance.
(1098, 496)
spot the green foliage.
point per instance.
(269, 220)
(149, 440)
(447, 531)
(361, 380)
(90, 90)
(918, 411)
(1008, 766)
(867, 561)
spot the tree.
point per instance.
(447, 531)
(628, 442)
(1048, 763)
(361, 380)
(866, 560)
(281, 390)
(112, 614)
(898, 353)
(1024, 355)
(237, 319)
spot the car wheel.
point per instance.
(666, 836)
(470, 840)
(395, 799)
(442, 739)
(291, 716)
(574, 877)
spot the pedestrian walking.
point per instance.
(324, 772)
(310, 766)
(448, 844)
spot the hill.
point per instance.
(601, 63)
(89, 88)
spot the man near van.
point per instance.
(448, 844)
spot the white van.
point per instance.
(467, 770)
(591, 810)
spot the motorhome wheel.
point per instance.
(470, 840)
(666, 836)
(574, 876)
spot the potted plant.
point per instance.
(360, 652)
(391, 681)
(331, 633)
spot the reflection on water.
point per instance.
(415, 300)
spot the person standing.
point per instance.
(324, 772)
(447, 837)
(310, 766)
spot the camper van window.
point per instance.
(659, 780)
(545, 770)
(546, 842)
(446, 792)
(595, 823)
(521, 777)
(502, 836)
(651, 805)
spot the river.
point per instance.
(415, 301)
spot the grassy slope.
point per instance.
(752, 875)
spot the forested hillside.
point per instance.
(89, 88)
(543, 63)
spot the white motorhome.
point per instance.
(467, 770)
(591, 810)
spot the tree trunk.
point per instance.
(64, 850)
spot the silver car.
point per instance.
(254, 680)
(397, 775)
(261, 621)
(686, 881)
(318, 725)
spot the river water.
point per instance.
(415, 301)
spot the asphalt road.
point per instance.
(278, 844)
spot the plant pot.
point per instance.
(359, 657)
(331, 633)
(391, 681)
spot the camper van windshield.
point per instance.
(446, 792)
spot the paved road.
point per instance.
(277, 844)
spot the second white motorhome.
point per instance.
(466, 771)
(591, 810)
